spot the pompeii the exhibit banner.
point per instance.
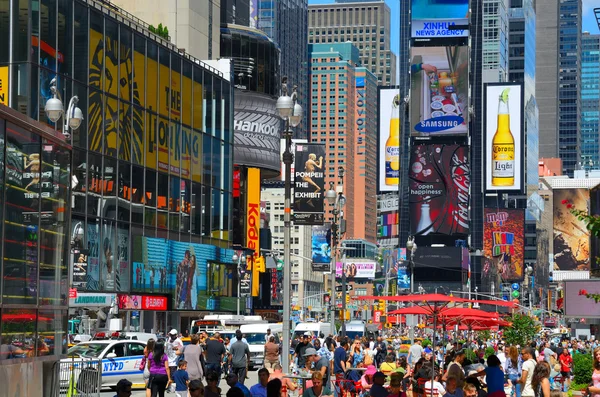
(571, 237)
(503, 241)
(439, 180)
(309, 183)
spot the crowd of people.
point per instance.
(360, 367)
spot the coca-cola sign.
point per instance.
(440, 177)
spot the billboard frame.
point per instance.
(521, 188)
(381, 170)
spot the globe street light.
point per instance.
(291, 113)
(54, 110)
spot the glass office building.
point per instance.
(590, 98)
(152, 160)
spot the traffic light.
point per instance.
(347, 299)
(259, 264)
(381, 306)
(257, 268)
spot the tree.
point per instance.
(522, 331)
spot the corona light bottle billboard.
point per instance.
(503, 146)
(392, 147)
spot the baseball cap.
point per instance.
(307, 333)
(310, 352)
(173, 332)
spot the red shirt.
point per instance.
(565, 362)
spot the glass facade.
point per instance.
(153, 156)
(34, 186)
(590, 99)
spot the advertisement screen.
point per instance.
(321, 248)
(80, 269)
(143, 302)
(436, 18)
(595, 240)
(356, 269)
(439, 189)
(439, 78)
(503, 241)
(571, 237)
(309, 183)
(403, 277)
(579, 301)
(276, 287)
(503, 137)
(389, 139)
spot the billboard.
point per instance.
(439, 78)
(571, 237)
(579, 300)
(253, 211)
(309, 183)
(321, 248)
(4, 84)
(595, 240)
(355, 269)
(504, 241)
(436, 18)
(142, 302)
(389, 105)
(504, 146)
(257, 129)
(80, 269)
(439, 181)
(403, 277)
(276, 287)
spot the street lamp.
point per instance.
(54, 110)
(411, 246)
(240, 259)
(530, 281)
(291, 113)
(335, 197)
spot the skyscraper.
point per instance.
(558, 36)
(285, 21)
(590, 100)
(343, 108)
(364, 23)
(495, 34)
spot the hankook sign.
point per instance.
(257, 130)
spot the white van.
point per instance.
(314, 328)
(256, 335)
(354, 328)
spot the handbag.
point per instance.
(143, 364)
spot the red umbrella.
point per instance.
(496, 303)
(417, 310)
(467, 311)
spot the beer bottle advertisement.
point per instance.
(504, 142)
(440, 177)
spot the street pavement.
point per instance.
(139, 392)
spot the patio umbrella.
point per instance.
(495, 303)
(433, 305)
(468, 312)
(416, 310)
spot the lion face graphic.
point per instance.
(120, 129)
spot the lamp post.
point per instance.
(291, 113)
(54, 110)
(240, 258)
(529, 272)
(411, 246)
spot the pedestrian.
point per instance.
(320, 364)
(378, 389)
(145, 365)
(123, 388)
(212, 388)
(193, 355)
(452, 390)
(274, 388)
(456, 369)
(233, 381)
(512, 368)
(566, 364)
(196, 388)
(240, 357)
(540, 381)
(339, 360)
(595, 388)
(528, 368)
(215, 351)
(160, 372)
(381, 349)
(415, 353)
(356, 354)
(271, 353)
(319, 387)
(494, 377)
(174, 349)
(181, 379)
(469, 390)
(301, 348)
(278, 374)
(260, 389)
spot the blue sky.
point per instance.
(588, 18)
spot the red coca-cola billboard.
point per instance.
(439, 180)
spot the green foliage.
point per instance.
(161, 30)
(583, 367)
(522, 330)
(484, 335)
(488, 352)
(471, 356)
(426, 342)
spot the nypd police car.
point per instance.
(119, 359)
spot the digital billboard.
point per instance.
(503, 137)
(504, 241)
(389, 139)
(439, 78)
(579, 300)
(571, 237)
(309, 183)
(439, 182)
(354, 269)
(321, 248)
(439, 18)
(595, 240)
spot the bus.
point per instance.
(212, 323)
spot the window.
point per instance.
(135, 349)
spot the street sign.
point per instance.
(339, 287)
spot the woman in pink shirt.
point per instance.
(160, 375)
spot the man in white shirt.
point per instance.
(415, 353)
(501, 355)
(527, 375)
(174, 348)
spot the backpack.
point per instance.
(180, 357)
(368, 358)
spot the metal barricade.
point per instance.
(76, 377)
